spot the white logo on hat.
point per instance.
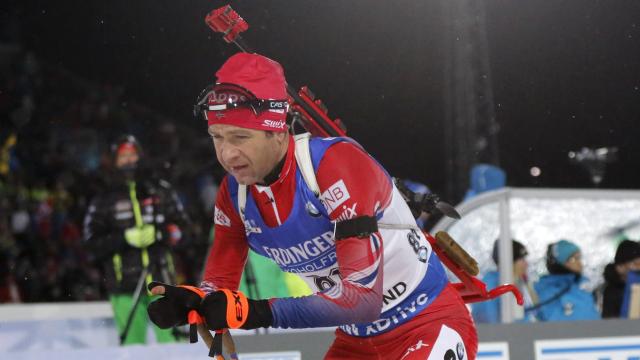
(274, 124)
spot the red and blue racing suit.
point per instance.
(389, 286)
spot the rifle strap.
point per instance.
(303, 159)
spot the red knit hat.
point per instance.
(245, 84)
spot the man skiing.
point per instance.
(325, 210)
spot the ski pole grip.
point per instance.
(194, 319)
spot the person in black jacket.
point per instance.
(130, 229)
(627, 259)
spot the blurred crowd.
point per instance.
(54, 157)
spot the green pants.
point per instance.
(137, 334)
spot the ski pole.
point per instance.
(137, 295)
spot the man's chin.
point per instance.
(246, 180)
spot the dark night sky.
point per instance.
(565, 74)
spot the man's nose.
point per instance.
(228, 152)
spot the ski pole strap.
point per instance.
(216, 346)
(193, 318)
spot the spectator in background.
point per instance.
(485, 177)
(562, 294)
(627, 259)
(50, 160)
(131, 229)
(489, 311)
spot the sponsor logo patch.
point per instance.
(406, 311)
(348, 213)
(413, 348)
(395, 292)
(303, 252)
(274, 124)
(335, 196)
(220, 218)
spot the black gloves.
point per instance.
(221, 309)
(174, 307)
(231, 309)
